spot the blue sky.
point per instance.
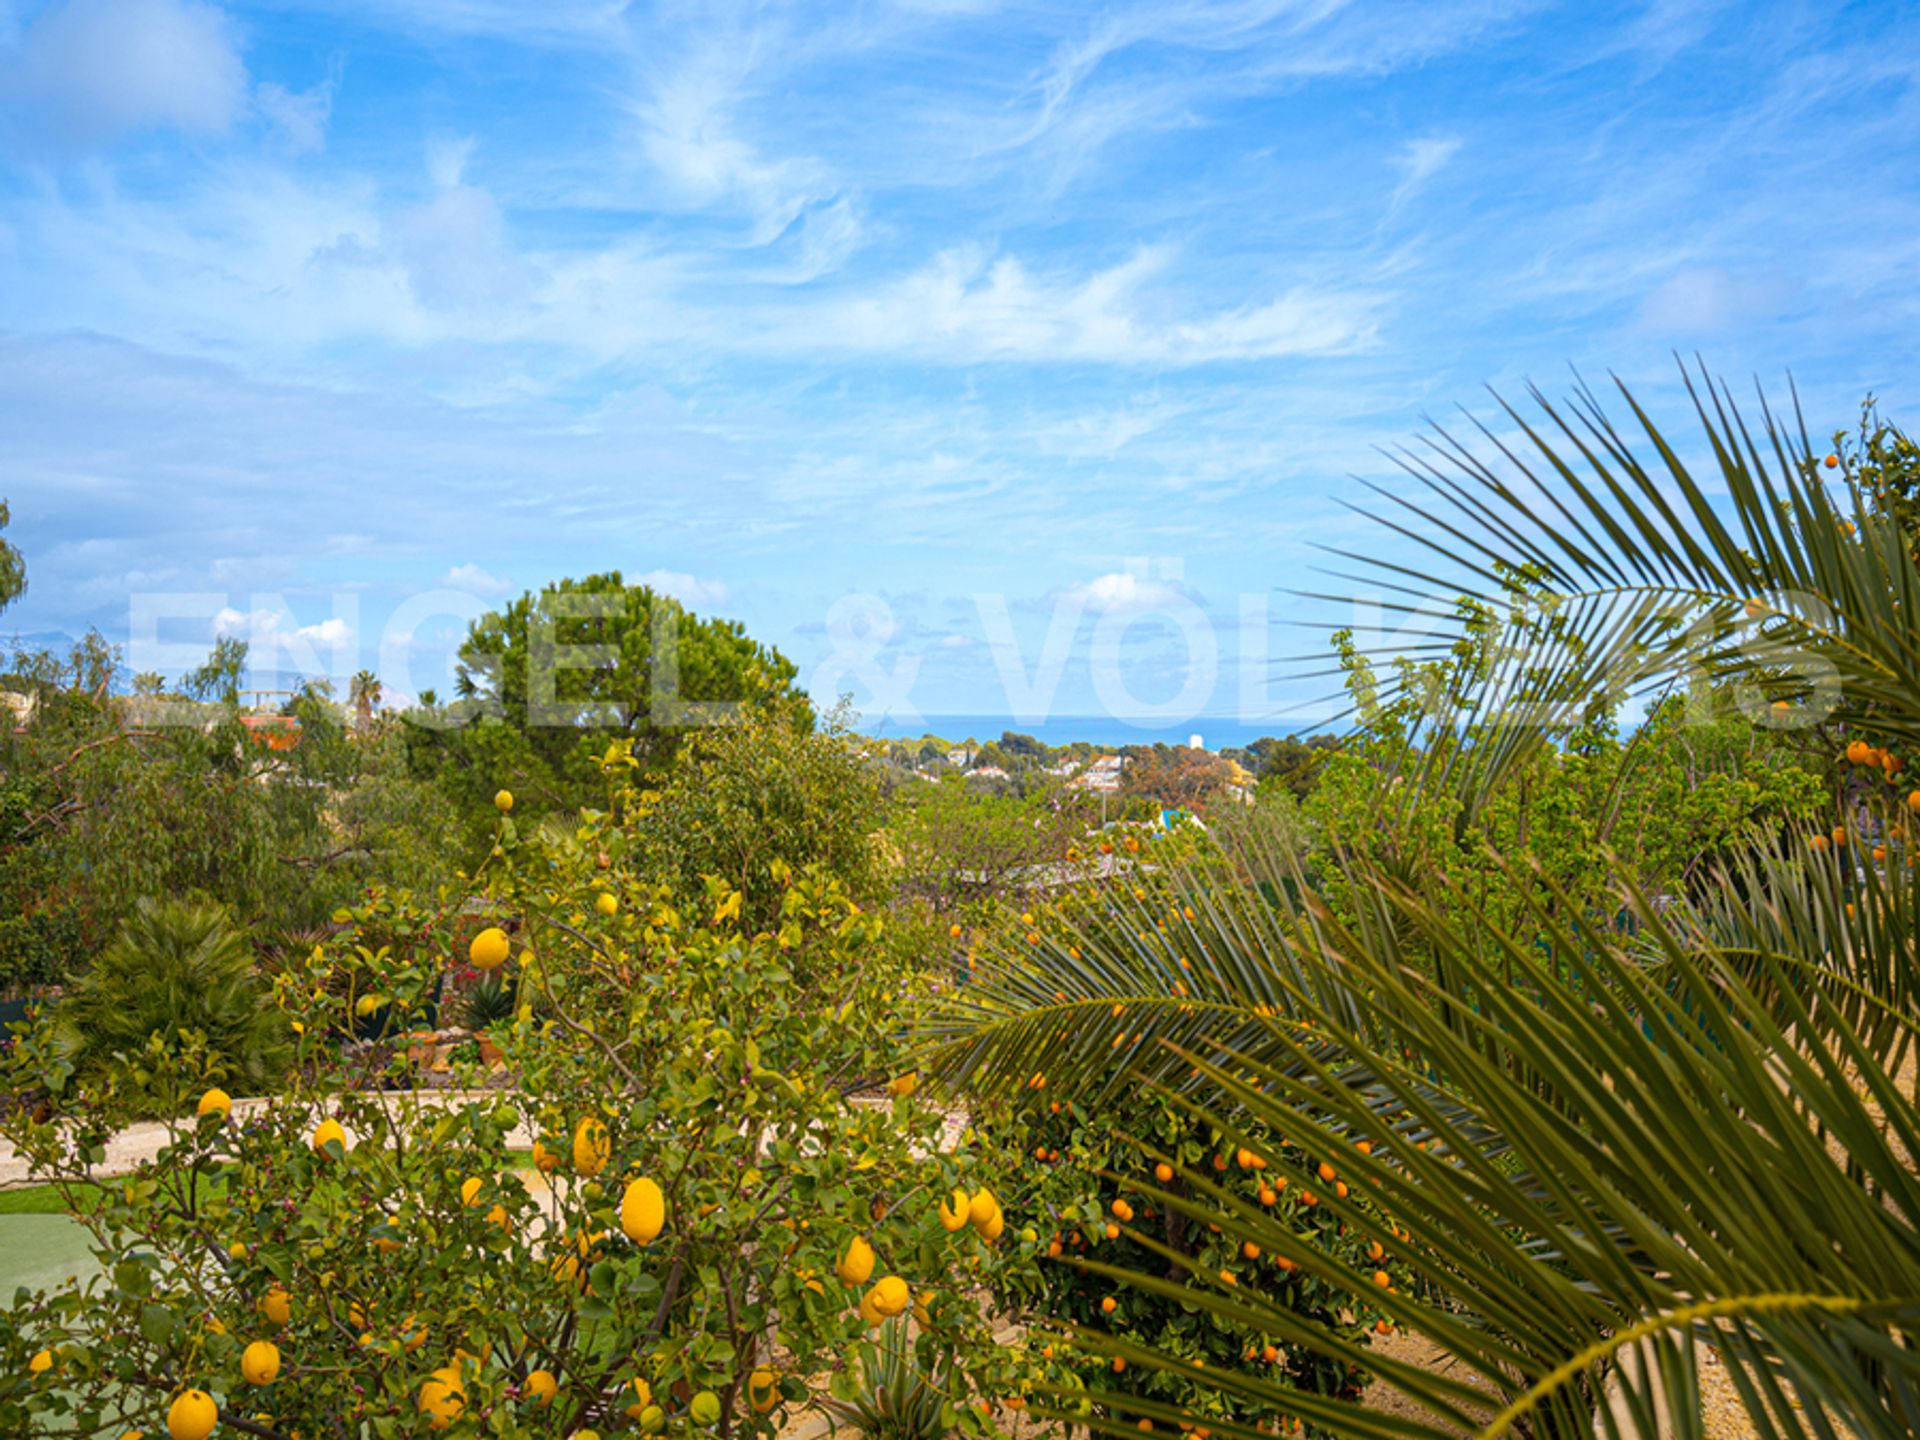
(942, 343)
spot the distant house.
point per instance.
(20, 706)
(989, 772)
(1101, 776)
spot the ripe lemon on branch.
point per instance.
(591, 1147)
(260, 1363)
(192, 1415)
(489, 949)
(857, 1263)
(643, 1211)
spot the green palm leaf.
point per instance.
(1616, 1128)
(1783, 584)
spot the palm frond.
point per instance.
(1577, 1130)
(1783, 587)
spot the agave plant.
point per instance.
(1599, 1149)
(490, 1002)
(895, 1399)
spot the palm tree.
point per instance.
(180, 976)
(364, 693)
(1601, 1150)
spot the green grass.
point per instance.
(47, 1199)
(34, 1200)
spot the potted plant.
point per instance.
(488, 1004)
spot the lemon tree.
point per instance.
(691, 1216)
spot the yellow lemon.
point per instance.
(705, 1408)
(982, 1208)
(277, 1306)
(763, 1390)
(904, 1085)
(498, 1216)
(545, 1160)
(215, 1102)
(643, 1211)
(857, 1264)
(955, 1211)
(442, 1397)
(642, 1398)
(237, 1250)
(503, 801)
(192, 1415)
(607, 904)
(413, 1336)
(867, 1312)
(591, 1147)
(328, 1130)
(489, 949)
(541, 1386)
(260, 1363)
(367, 1004)
(40, 1363)
(890, 1296)
(470, 1190)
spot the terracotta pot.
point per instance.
(489, 1052)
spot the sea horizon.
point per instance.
(1216, 732)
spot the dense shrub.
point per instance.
(1091, 1186)
(774, 790)
(176, 977)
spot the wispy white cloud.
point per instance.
(970, 305)
(1418, 162)
(297, 117)
(1700, 302)
(961, 296)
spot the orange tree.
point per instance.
(1113, 1164)
(708, 1228)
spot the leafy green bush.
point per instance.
(774, 790)
(182, 976)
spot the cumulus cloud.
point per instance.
(475, 580)
(264, 625)
(88, 71)
(455, 246)
(689, 590)
(1123, 591)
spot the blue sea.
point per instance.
(1215, 732)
